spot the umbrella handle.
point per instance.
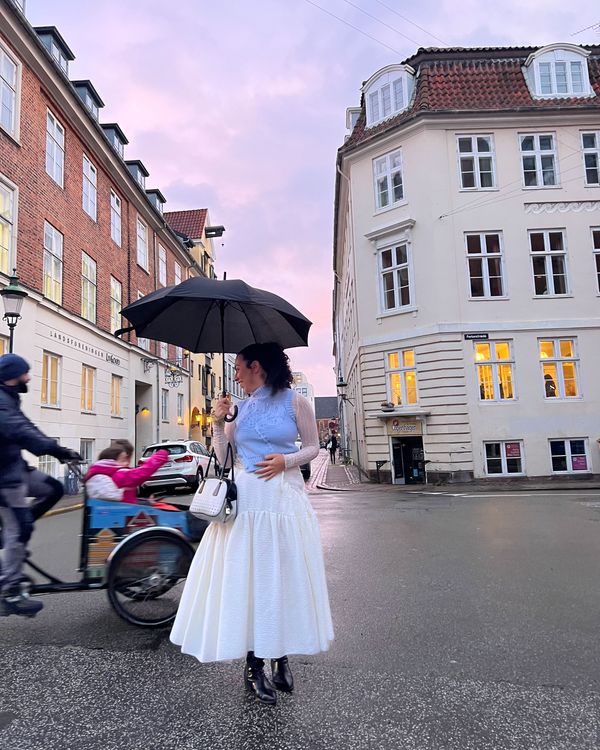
(233, 416)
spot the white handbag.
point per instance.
(216, 497)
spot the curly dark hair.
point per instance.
(274, 361)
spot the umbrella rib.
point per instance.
(249, 321)
(212, 304)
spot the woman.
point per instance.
(257, 587)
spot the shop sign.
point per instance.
(88, 349)
(397, 426)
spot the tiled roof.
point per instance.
(490, 80)
(190, 223)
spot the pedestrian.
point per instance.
(333, 444)
(256, 587)
(18, 433)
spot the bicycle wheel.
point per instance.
(146, 578)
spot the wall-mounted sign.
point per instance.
(88, 349)
(477, 336)
(399, 426)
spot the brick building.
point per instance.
(86, 237)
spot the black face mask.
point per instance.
(20, 387)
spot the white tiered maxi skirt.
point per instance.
(258, 584)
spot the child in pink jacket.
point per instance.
(110, 478)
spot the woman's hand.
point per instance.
(222, 407)
(273, 465)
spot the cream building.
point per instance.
(304, 388)
(467, 266)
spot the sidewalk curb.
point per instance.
(332, 489)
(59, 511)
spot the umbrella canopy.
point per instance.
(210, 315)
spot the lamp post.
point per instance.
(341, 386)
(12, 297)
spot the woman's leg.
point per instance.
(282, 674)
(256, 681)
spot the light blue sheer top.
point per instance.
(265, 424)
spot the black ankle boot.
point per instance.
(256, 680)
(282, 674)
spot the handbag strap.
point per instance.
(228, 455)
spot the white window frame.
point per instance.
(162, 265)
(11, 127)
(88, 389)
(592, 152)
(53, 263)
(55, 149)
(46, 381)
(396, 270)
(89, 191)
(8, 225)
(164, 404)
(116, 383)
(495, 363)
(388, 173)
(569, 88)
(504, 458)
(180, 408)
(142, 243)
(116, 302)
(179, 356)
(569, 455)
(596, 251)
(388, 98)
(402, 371)
(484, 257)
(89, 280)
(50, 465)
(475, 155)
(558, 361)
(87, 450)
(548, 256)
(142, 342)
(538, 154)
(177, 273)
(115, 218)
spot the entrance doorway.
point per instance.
(408, 460)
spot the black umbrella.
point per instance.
(210, 315)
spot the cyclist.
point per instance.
(18, 433)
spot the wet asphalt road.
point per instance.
(461, 622)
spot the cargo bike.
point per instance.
(138, 553)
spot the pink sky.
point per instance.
(239, 107)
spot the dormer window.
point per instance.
(558, 71)
(157, 199)
(388, 92)
(139, 171)
(56, 46)
(116, 137)
(89, 96)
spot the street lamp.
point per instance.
(13, 297)
(341, 386)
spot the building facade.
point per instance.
(303, 387)
(467, 266)
(86, 238)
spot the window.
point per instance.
(549, 262)
(50, 465)
(179, 356)
(115, 218)
(590, 143)
(504, 458)
(89, 188)
(164, 350)
(177, 269)
(53, 263)
(387, 93)
(142, 342)
(55, 149)
(164, 405)
(494, 363)
(50, 395)
(162, 266)
(387, 172)
(3, 345)
(596, 245)
(402, 377)
(88, 288)
(180, 408)
(88, 378)
(7, 226)
(561, 77)
(559, 368)
(538, 157)
(568, 455)
(86, 451)
(477, 162)
(142, 244)
(115, 395)
(484, 258)
(9, 92)
(116, 298)
(395, 277)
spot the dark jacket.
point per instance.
(18, 433)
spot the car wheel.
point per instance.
(198, 479)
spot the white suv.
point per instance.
(186, 466)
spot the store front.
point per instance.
(406, 449)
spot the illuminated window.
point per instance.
(50, 395)
(88, 387)
(504, 457)
(495, 364)
(115, 395)
(569, 455)
(559, 368)
(53, 263)
(7, 226)
(402, 377)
